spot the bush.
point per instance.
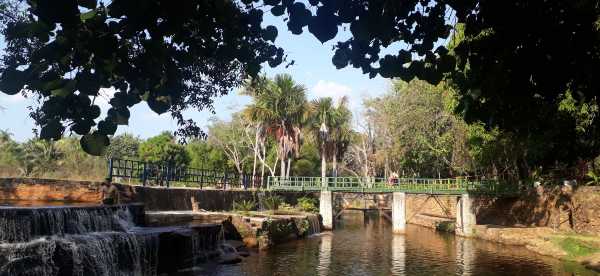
(244, 205)
(307, 204)
(286, 206)
(272, 202)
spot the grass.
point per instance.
(445, 226)
(575, 246)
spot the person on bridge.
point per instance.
(393, 179)
(109, 192)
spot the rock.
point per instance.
(228, 255)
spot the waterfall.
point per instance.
(25, 224)
(102, 253)
(100, 240)
(314, 223)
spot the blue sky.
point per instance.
(312, 67)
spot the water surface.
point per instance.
(366, 246)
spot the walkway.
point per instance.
(382, 185)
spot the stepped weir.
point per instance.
(98, 240)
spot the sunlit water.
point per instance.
(367, 247)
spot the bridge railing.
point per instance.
(164, 174)
(379, 185)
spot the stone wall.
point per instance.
(441, 206)
(154, 198)
(181, 198)
(31, 189)
(577, 209)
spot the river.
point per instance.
(366, 246)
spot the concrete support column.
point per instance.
(326, 209)
(465, 216)
(399, 212)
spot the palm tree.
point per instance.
(330, 126)
(279, 110)
(341, 132)
(322, 118)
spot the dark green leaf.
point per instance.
(94, 143)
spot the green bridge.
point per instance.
(162, 173)
(383, 185)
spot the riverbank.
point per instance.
(563, 245)
(261, 230)
(364, 245)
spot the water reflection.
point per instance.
(398, 255)
(324, 254)
(465, 256)
(366, 246)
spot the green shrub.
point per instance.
(244, 205)
(272, 202)
(286, 206)
(307, 204)
(576, 247)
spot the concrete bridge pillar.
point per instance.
(465, 216)
(326, 209)
(398, 212)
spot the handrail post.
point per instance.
(167, 175)
(225, 180)
(144, 176)
(110, 169)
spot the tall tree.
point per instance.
(230, 138)
(164, 148)
(281, 108)
(508, 69)
(341, 131)
(322, 120)
(11, 154)
(124, 146)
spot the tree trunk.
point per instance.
(282, 169)
(289, 165)
(255, 157)
(262, 167)
(323, 165)
(334, 163)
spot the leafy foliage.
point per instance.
(164, 148)
(509, 72)
(307, 204)
(271, 202)
(169, 54)
(11, 153)
(335, 120)
(124, 146)
(279, 108)
(244, 205)
(205, 156)
(231, 139)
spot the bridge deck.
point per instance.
(382, 185)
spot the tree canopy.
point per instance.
(172, 55)
(163, 148)
(513, 63)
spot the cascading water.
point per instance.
(24, 224)
(99, 240)
(314, 224)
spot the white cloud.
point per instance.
(331, 89)
(11, 99)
